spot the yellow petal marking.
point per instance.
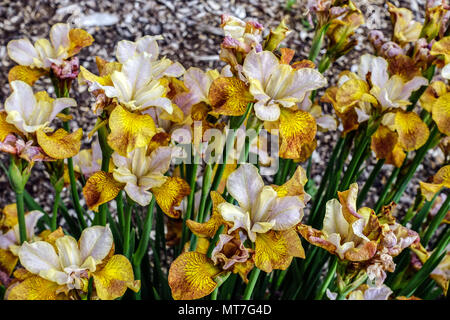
(169, 195)
(112, 281)
(229, 96)
(191, 276)
(129, 130)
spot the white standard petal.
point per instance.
(412, 86)
(68, 251)
(259, 65)
(38, 256)
(160, 159)
(125, 50)
(22, 52)
(377, 293)
(263, 204)
(7, 239)
(334, 221)
(377, 66)
(20, 104)
(245, 185)
(31, 219)
(198, 83)
(286, 212)
(59, 36)
(60, 104)
(138, 71)
(149, 44)
(96, 242)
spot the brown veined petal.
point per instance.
(176, 116)
(303, 64)
(51, 237)
(8, 261)
(35, 288)
(443, 176)
(297, 128)
(229, 96)
(100, 188)
(207, 229)
(384, 144)
(275, 249)
(5, 127)
(286, 55)
(363, 253)
(435, 90)
(106, 68)
(25, 74)
(161, 139)
(191, 276)
(347, 199)
(60, 144)
(114, 278)
(169, 195)
(129, 130)
(294, 186)
(79, 39)
(243, 269)
(412, 131)
(441, 113)
(404, 66)
(352, 92)
(316, 237)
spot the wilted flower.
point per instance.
(405, 28)
(364, 292)
(440, 180)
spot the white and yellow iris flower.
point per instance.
(274, 84)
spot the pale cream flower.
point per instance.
(274, 84)
(371, 293)
(72, 261)
(89, 161)
(260, 208)
(30, 112)
(141, 172)
(139, 84)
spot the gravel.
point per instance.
(191, 36)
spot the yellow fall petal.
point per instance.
(8, 261)
(86, 75)
(275, 250)
(191, 276)
(25, 74)
(129, 130)
(100, 188)
(35, 288)
(352, 92)
(9, 216)
(60, 144)
(114, 278)
(297, 128)
(443, 176)
(412, 131)
(442, 47)
(79, 39)
(428, 190)
(435, 90)
(441, 113)
(229, 96)
(5, 127)
(169, 195)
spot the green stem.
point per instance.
(190, 205)
(375, 171)
(127, 224)
(329, 277)
(21, 216)
(55, 209)
(120, 216)
(251, 284)
(436, 221)
(420, 216)
(106, 155)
